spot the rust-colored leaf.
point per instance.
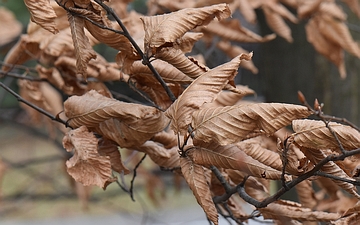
(231, 124)
(203, 89)
(11, 28)
(110, 149)
(195, 178)
(87, 166)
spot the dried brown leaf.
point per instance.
(231, 124)
(253, 148)
(168, 28)
(195, 178)
(230, 157)
(109, 148)
(233, 31)
(331, 168)
(247, 11)
(332, 51)
(11, 28)
(306, 194)
(307, 8)
(295, 211)
(314, 134)
(83, 50)
(277, 24)
(203, 89)
(42, 14)
(87, 166)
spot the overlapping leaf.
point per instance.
(87, 166)
(168, 28)
(314, 134)
(202, 90)
(83, 50)
(230, 157)
(231, 124)
(42, 13)
(195, 178)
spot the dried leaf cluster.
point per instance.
(207, 132)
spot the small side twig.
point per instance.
(40, 110)
(131, 190)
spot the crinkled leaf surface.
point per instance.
(314, 134)
(203, 89)
(231, 124)
(195, 178)
(87, 166)
(43, 14)
(169, 27)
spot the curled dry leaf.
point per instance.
(234, 50)
(42, 13)
(307, 8)
(83, 50)
(11, 28)
(314, 134)
(316, 155)
(87, 166)
(294, 210)
(306, 194)
(231, 124)
(230, 157)
(177, 58)
(168, 28)
(233, 31)
(247, 11)
(195, 178)
(203, 89)
(252, 147)
(277, 24)
(109, 148)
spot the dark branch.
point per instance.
(40, 110)
(145, 59)
(133, 178)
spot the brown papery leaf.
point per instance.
(306, 195)
(168, 28)
(42, 13)
(177, 58)
(83, 50)
(186, 42)
(172, 162)
(338, 32)
(331, 168)
(247, 11)
(332, 51)
(233, 31)
(195, 178)
(234, 50)
(314, 134)
(294, 210)
(253, 148)
(93, 108)
(11, 28)
(203, 89)
(354, 6)
(109, 148)
(307, 8)
(230, 157)
(168, 72)
(277, 24)
(87, 166)
(231, 124)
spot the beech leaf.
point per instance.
(195, 178)
(168, 28)
(87, 166)
(231, 124)
(203, 89)
(83, 50)
(314, 134)
(42, 14)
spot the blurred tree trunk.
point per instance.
(285, 68)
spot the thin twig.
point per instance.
(16, 75)
(322, 174)
(133, 178)
(144, 57)
(40, 110)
